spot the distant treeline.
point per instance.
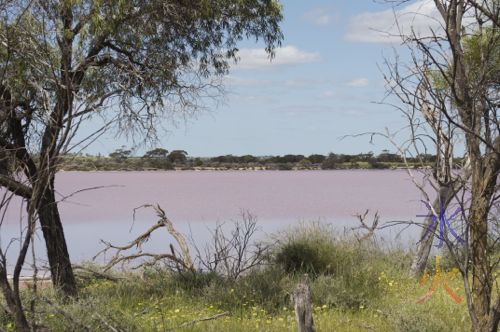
(162, 159)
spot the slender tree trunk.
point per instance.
(14, 305)
(424, 247)
(419, 262)
(57, 251)
(481, 281)
(483, 186)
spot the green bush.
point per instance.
(344, 271)
(285, 167)
(311, 248)
(302, 256)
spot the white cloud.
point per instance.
(255, 58)
(328, 94)
(320, 16)
(422, 17)
(358, 82)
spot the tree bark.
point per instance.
(57, 252)
(424, 247)
(483, 188)
(14, 304)
(481, 281)
(303, 306)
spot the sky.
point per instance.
(325, 83)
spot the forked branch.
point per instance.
(182, 261)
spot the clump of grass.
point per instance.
(268, 288)
(344, 271)
(309, 248)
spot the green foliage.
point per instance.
(155, 159)
(421, 323)
(306, 257)
(132, 62)
(198, 162)
(307, 249)
(316, 158)
(349, 290)
(482, 56)
(120, 154)
(374, 163)
(285, 167)
(268, 288)
(345, 272)
(156, 153)
(304, 163)
(163, 164)
(177, 157)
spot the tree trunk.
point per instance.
(14, 305)
(494, 317)
(481, 274)
(424, 247)
(484, 182)
(57, 252)
(419, 262)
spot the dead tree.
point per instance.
(370, 229)
(181, 261)
(446, 183)
(233, 253)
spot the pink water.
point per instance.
(196, 200)
(206, 196)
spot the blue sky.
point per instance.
(323, 84)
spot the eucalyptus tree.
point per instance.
(70, 67)
(452, 89)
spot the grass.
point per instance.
(152, 305)
(355, 287)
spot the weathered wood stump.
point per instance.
(303, 306)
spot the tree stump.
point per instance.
(303, 306)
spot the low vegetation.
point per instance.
(161, 159)
(355, 285)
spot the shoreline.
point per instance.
(222, 169)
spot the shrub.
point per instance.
(284, 167)
(309, 248)
(302, 256)
(344, 272)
